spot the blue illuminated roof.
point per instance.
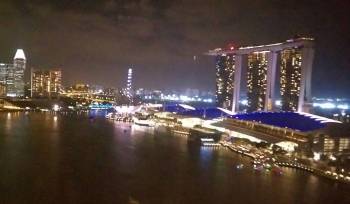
(207, 113)
(292, 120)
(177, 108)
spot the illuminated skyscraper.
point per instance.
(295, 78)
(290, 78)
(256, 81)
(129, 85)
(46, 83)
(225, 68)
(19, 65)
(6, 78)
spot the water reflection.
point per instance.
(206, 155)
(68, 158)
(8, 123)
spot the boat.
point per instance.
(277, 170)
(258, 167)
(239, 166)
(144, 122)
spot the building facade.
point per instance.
(46, 83)
(19, 66)
(311, 133)
(332, 140)
(129, 91)
(290, 78)
(6, 78)
(12, 76)
(225, 68)
(256, 81)
(295, 64)
(328, 145)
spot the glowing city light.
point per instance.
(317, 156)
(343, 106)
(129, 85)
(326, 105)
(20, 54)
(56, 107)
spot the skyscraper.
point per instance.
(129, 85)
(295, 77)
(46, 83)
(290, 77)
(225, 68)
(6, 78)
(19, 66)
(256, 81)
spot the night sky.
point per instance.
(96, 41)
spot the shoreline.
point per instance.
(296, 165)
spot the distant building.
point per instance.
(27, 89)
(192, 92)
(256, 81)
(94, 88)
(129, 93)
(2, 90)
(19, 66)
(225, 68)
(6, 78)
(141, 92)
(311, 133)
(79, 91)
(12, 76)
(83, 88)
(46, 83)
(110, 92)
(334, 139)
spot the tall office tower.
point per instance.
(290, 77)
(129, 85)
(225, 68)
(257, 80)
(46, 83)
(7, 79)
(19, 66)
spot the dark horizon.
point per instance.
(97, 41)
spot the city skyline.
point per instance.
(159, 38)
(174, 101)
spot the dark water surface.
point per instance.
(73, 159)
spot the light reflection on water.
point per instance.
(71, 158)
